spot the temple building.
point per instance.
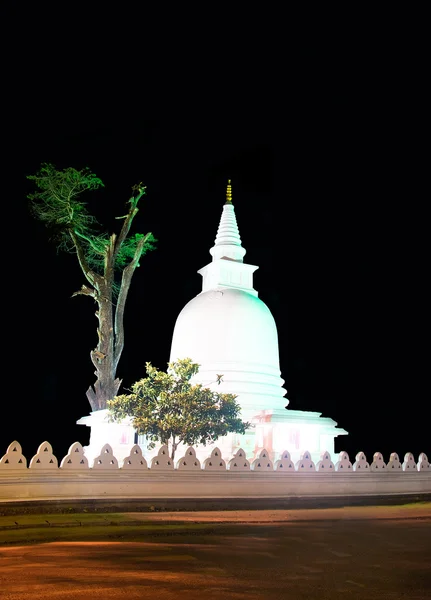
(230, 332)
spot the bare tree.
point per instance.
(108, 262)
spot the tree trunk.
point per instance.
(104, 357)
(174, 448)
(110, 314)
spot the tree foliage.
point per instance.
(107, 261)
(168, 408)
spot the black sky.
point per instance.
(326, 160)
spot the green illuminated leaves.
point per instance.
(57, 201)
(107, 261)
(167, 407)
(128, 248)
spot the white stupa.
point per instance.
(229, 331)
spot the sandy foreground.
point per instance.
(352, 553)
(415, 511)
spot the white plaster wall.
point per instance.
(98, 484)
(105, 477)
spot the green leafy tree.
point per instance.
(108, 262)
(167, 408)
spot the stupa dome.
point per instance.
(225, 326)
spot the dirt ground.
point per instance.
(354, 553)
(418, 511)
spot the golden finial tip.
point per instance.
(229, 192)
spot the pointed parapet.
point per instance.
(394, 463)
(239, 462)
(214, 462)
(284, 464)
(325, 464)
(135, 460)
(106, 459)
(75, 458)
(162, 461)
(44, 458)
(409, 463)
(262, 462)
(343, 464)
(189, 462)
(423, 463)
(378, 463)
(361, 465)
(305, 464)
(14, 458)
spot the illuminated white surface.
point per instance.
(232, 333)
(120, 436)
(107, 476)
(229, 331)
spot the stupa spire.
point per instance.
(228, 241)
(229, 192)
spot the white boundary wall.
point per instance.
(43, 478)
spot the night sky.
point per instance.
(325, 167)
